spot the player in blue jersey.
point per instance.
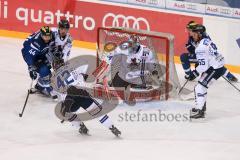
(190, 57)
(34, 51)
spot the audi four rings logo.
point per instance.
(126, 21)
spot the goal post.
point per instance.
(161, 45)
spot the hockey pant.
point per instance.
(206, 79)
(77, 98)
(186, 60)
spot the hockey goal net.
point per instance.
(162, 47)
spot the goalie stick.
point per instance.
(143, 69)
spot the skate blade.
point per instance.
(85, 134)
(199, 120)
(118, 137)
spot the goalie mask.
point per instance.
(133, 43)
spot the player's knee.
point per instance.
(200, 88)
(78, 101)
(86, 102)
(184, 57)
(44, 71)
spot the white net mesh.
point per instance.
(161, 45)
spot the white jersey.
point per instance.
(131, 64)
(65, 44)
(75, 78)
(208, 56)
(142, 53)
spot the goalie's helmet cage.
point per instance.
(162, 46)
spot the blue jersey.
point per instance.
(34, 49)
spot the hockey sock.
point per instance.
(105, 120)
(76, 123)
(200, 95)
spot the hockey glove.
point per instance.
(32, 72)
(194, 74)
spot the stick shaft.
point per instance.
(183, 86)
(231, 84)
(26, 100)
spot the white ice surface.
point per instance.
(39, 135)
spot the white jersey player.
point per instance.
(60, 48)
(210, 67)
(132, 62)
(77, 98)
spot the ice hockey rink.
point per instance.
(39, 135)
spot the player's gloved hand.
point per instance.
(32, 72)
(194, 74)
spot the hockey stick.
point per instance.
(25, 103)
(143, 70)
(180, 90)
(231, 84)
